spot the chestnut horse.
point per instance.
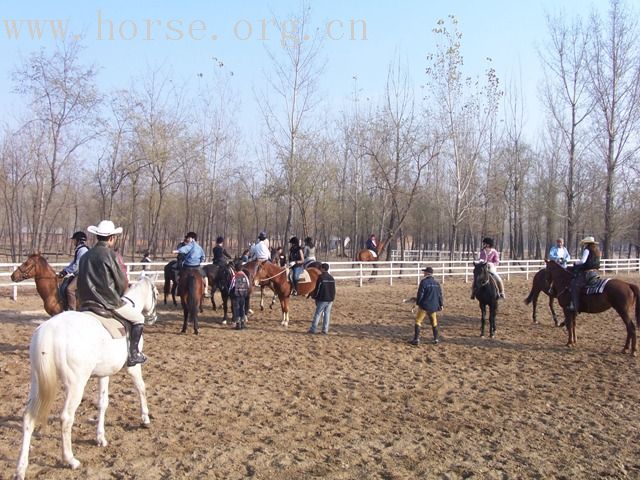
(268, 272)
(365, 254)
(191, 291)
(542, 284)
(617, 294)
(47, 282)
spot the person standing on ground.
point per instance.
(324, 295)
(429, 302)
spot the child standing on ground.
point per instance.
(239, 291)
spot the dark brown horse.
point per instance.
(617, 294)
(170, 281)
(542, 284)
(47, 282)
(191, 291)
(268, 272)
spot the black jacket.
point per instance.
(429, 295)
(325, 288)
(100, 279)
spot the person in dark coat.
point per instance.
(429, 302)
(324, 295)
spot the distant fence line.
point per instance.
(363, 271)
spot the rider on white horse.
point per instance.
(101, 283)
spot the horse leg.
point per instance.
(492, 320)
(553, 312)
(534, 301)
(261, 298)
(136, 375)
(74, 397)
(284, 305)
(483, 309)
(28, 425)
(185, 313)
(103, 403)
(225, 307)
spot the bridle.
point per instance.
(25, 273)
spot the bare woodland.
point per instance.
(435, 168)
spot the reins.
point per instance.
(272, 277)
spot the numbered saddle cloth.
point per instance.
(595, 286)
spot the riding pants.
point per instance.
(422, 314)
(494, 272)
(129, 313)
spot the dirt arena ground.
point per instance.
(359, 403)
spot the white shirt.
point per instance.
(260, 251)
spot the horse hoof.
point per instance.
(224, 322)
(102, 442)
(74, 463)
(183, 331)
(196, 332)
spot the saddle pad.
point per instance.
(304, 277)
(113, 326)
(596, 288)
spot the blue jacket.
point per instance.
(429, 296)
(193, 254)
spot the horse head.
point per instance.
(480, 273)
(27, 270)
(146, 294)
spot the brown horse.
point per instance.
(617, 294)
(47, 282)
(191, 291)
(268, 272)
(542, 284)
(365, 254)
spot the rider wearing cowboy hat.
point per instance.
(102, 284)
(583, 269)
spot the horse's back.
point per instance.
(78, 341)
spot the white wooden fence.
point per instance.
(363, 271)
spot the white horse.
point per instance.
(71, 347)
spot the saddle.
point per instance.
(304, 276)
(116, 326)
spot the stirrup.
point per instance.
(135, 359)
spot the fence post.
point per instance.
(391, 274)
(360, 277)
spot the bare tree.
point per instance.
(614, 71)
(564, 93)
(294, 82)
(464, 112)
(64, 99)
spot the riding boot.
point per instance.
(416, 335)
(575, 300)
(294, 289)
(135, 356)
(436, 339)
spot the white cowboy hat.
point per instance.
(105, 228)
(586, 240)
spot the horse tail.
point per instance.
(636, 293)
(44, 378)
(193, 300)
(529, 299)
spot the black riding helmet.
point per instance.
(219, 239)
(80, 236)
(294, 241)
(488, 241)
(262, 235)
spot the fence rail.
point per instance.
(363, 271)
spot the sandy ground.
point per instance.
(275, 403)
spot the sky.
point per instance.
(190, 38)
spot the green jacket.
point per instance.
(100, 279)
